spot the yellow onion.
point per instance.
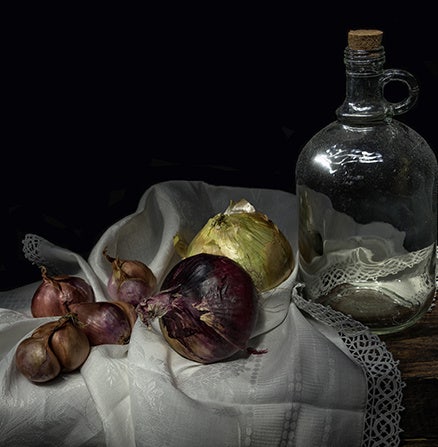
(248, 237)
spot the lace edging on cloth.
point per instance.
(382, 418)
(32, 252)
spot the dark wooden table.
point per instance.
(417, 351)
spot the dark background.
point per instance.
(100, 104)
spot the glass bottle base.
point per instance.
(381, 310)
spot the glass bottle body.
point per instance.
(367, 193)
(367, 228)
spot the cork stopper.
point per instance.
(365, 39)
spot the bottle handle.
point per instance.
(397, 108)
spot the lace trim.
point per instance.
(382, 417)
(33, 253)
(358, 266)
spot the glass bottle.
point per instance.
(367, 193)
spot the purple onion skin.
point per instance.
(207, 308)
(131, 290)
(103, 322)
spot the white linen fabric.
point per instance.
(325, 380)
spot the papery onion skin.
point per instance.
(45, 330)
(129, 310)
(70, 345)
(55, 293)
(248, 237)
(207, 306)
(130, 280)
(103, 322)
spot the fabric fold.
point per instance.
(315, 385)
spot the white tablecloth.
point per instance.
(324, 381)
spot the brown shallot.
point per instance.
(54, 347)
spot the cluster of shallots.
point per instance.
(64, 345)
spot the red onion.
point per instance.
(103, 322)
(207, 308)
(130, 281)
(54, 295)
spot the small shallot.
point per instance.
(130, 280)
(54, 347)
(55, 293)
(104, 322)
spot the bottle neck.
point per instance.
(364, 103)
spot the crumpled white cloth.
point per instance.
(324, 381)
